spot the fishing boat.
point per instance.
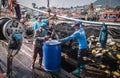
(110, 16)
(22, 61)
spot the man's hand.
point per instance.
(49, 39)
(46, 38)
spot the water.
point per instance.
(52, 42)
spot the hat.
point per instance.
(75, 24)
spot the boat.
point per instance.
(22, 62)
(110, 16)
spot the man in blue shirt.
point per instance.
(40, 21)
(37, 24)
(79, 34)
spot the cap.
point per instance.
(75, 24)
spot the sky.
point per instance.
(56, 3)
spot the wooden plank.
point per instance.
(21, 64)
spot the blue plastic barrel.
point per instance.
(52, 56)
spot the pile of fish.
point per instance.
(107, 60)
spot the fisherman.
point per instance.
(40, 20)
(39, 38)
(103, 35)
(79, 34)
(37, 24)
(51, 32)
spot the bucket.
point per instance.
(52, 56)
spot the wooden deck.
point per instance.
(22, 62)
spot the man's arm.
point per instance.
(34, 26)
(37, 36)
(74, 35)
(51, 17)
